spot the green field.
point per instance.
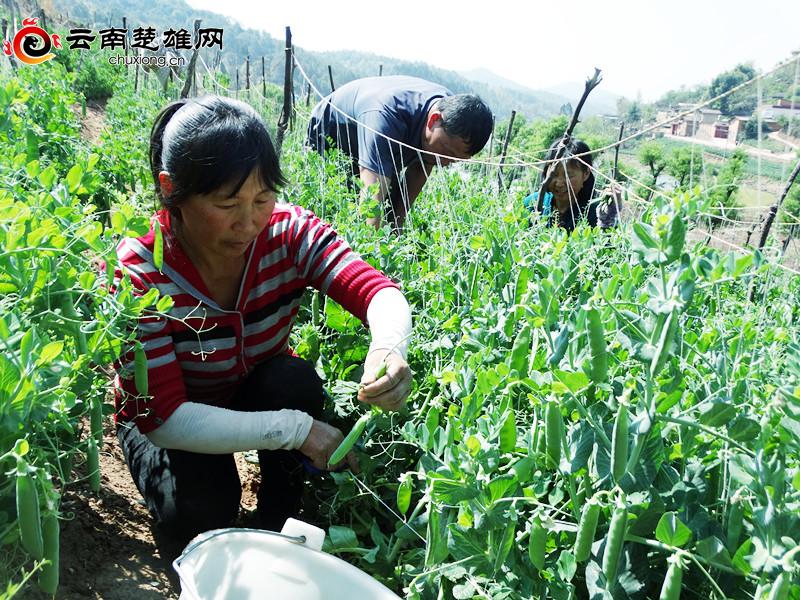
(594, 415)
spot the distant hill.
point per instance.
(346, 66)
(490, 78)
(600, 102)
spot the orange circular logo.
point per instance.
(32, 44)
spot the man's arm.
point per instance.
(381, 192)
(415, 178)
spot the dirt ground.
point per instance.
(109, 550)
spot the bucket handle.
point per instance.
(188, 586)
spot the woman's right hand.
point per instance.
(321, 442)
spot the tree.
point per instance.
(683, 95)
(723, 194)
(652, 154)
(739, 103)
(684, 164)
(634, 114)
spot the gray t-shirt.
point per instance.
(396, 106)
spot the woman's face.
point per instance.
(221, 224)
(565, 188)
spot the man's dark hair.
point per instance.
(466, 116)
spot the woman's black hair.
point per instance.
(574, 147)
(209, 142)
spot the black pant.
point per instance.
(188, 493)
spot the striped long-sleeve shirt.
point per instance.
(201, 352)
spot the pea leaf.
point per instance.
(49, 352)
(670, 530)
(342, 537)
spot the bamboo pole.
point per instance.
(330, 76)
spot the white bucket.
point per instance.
(251, 564)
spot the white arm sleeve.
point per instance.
(209, 429)
(389, 318)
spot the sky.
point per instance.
(644, 47)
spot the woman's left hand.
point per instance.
(390, 391)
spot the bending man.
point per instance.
(361, 116)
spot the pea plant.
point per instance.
(599, 415)
(60, 327)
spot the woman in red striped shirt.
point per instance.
(221, 378)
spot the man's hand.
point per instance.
(389, 391)
(321, 441)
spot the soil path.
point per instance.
(109, 547)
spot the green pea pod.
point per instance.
(614, 543)
(404, 495)
(735, 523)
(586, 530)
(671, 588)
(553, 432)
(28, 517)
(508, 433)
(48, 578)
(520, 351)
(619, 443)
(381, 370)
(536, 544)
(350, 440)
(560, 347)
(96, 419)
(780, 589)
(93, 465)
(597, 343)
(140, 369)
(664, 343)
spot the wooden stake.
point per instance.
(264, 76)
(283, 121)
(773, 210)
(615, 174)
(380, 71)
(330, 76)
(505, 148)
(187, 85)
(247, 74)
